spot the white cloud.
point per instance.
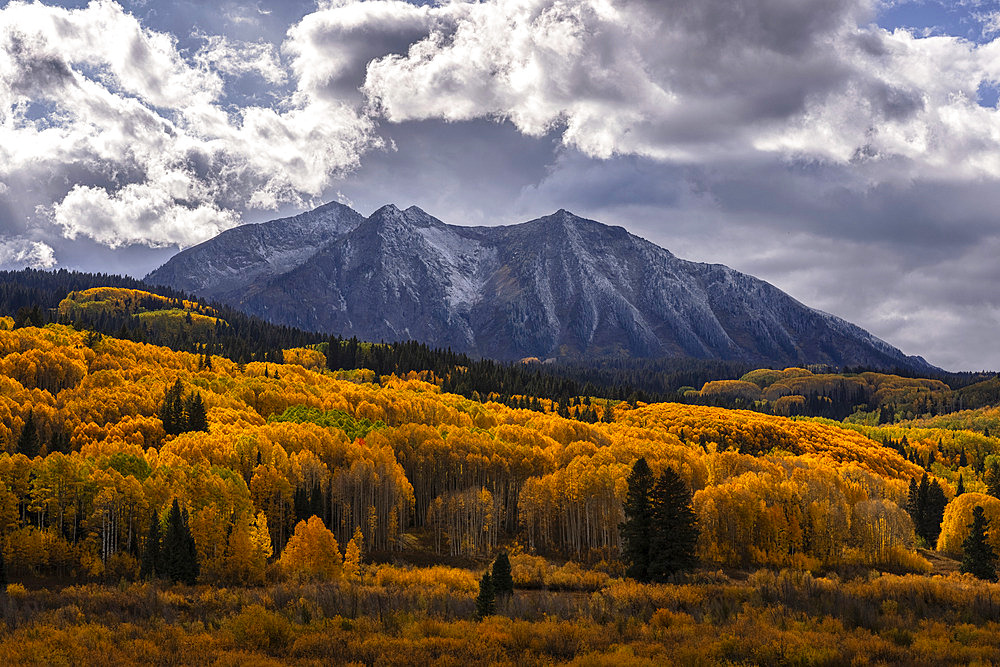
(126, 141)
(139, 213)
(234, 58)
(18, 253)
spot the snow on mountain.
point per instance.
(558, 286)
(243, 254)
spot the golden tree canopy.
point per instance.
(958, 517)
(312, 551)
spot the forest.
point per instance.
(317, 502)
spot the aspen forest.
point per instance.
(165, 493)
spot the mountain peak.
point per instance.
(562, 216)
(557, 286)
(386, 209)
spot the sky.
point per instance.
(847, 151)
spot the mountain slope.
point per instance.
(246, 253)
(558, 286)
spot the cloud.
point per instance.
(693, 82)
(128, 141)
(331, 48)
(138, 213)
(18, 253)
(235, 58)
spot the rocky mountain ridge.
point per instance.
(558, 286)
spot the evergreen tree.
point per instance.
(925, 503)
(635, 531)
(978, 558)
(180, 560)
(886, 414)
(194, 412)
(172, 410)
(152, 564)
(934, 513)
(960, 489)
(992, 479)
(503, 583)
(27, 442)
(674, 534)
(911, 500)
(486, 600)
(920, 520)
(193, 568)
(3, 572)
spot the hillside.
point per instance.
(391, 470)
(556, 287)
(282, 441)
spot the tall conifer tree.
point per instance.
(503, 583)
(27, 442)
(635, 531)
(674, 528)
(180, 560)
(486, 600)
(152, 565)
(978, 557)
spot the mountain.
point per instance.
(221, 266)
(559, 286)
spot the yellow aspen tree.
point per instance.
(312, 552)
(241, 562)
(260, 538)
(352, 555)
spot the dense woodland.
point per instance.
(272, 498)
(34, 297)
(401, 460)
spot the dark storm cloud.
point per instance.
(332, 49)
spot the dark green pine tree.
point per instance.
(193, 568)
(152, 557)
(978, 558)
(3, 572)
(172, 410)
(960, 489)
(911, 500)
(992, 479)
(674, 528)
(934, 512)
(27, 442)
(635, 531)
(503, 583)
(962, 459)
(920, 519)
(194, 413)
(486, 600)
(180, 562)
